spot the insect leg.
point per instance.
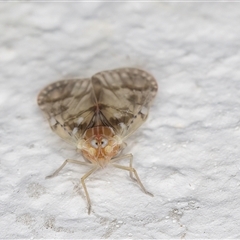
(85, 188)
(133, 170)
(64, 164)
(130, 157)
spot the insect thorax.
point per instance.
(99, 145)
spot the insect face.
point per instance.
(99, 145)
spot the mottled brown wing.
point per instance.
(68, 106)
(124, 97)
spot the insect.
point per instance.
(98, 114)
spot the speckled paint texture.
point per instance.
(187, 153)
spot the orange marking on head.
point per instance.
(100, 145)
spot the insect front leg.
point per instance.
(85, 176)
(64, 164)
(128, 156)
(131, 170)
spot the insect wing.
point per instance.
(68, 106)
(124, 97)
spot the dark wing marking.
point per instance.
(124, 97)
(68, 106)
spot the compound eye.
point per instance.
(104, 142)
(94, 143)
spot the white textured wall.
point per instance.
(187, 153)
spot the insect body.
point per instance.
(97, 115)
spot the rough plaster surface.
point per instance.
(187, 153)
